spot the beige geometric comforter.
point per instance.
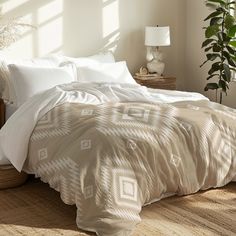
(111, 159)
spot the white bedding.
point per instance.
(29, 113)
(10, 109)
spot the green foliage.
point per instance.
(220, 44)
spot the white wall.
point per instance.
(195, 77)
(85, 27)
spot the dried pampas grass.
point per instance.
(11, 31)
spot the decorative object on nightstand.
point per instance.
(154, 38)
(144, 73)
(143, 70)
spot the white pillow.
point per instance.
(105, 73)
(106, 57)
(28, 81)
(6, 89)
(53, 60)
(91, 60)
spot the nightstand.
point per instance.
(9, 176)
(155, 82)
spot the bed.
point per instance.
(111, 146)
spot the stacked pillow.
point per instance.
(26, 78)
(28, 81)
(105, 73)
(101, 68)
(8, 93)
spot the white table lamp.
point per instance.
(156, 37)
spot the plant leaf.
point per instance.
(233, 43)
(223, 84)
(212, 31)
(231, 62)
(211, 76)
(216, 48)
(216, 65)
(233, 58)
(217, 1)
(208, 49)
(216, 20)
(222, 9)
(203, 63)
(227, 72)
(232, 31)
(213, 14)
(231, 50)
(226, 55)
(229, 58)
(213, 70)
(230, 3)
(212, 56)
(229, 21)
(206, 42)
(226, 38)
(211, 86)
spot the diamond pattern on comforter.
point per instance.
(112, 159)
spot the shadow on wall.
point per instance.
(64, 26)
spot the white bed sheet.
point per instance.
(10, 109)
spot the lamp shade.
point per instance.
(157, 36)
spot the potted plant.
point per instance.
(220, 45)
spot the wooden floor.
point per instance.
(35, 209)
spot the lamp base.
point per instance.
(156, 66)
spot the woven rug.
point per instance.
(35, 209)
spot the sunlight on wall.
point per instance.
(50, 27)
(110, 18)
(20, 44)
(21, 48)
(49, 11)
(111, 43)
(12, 4)
(50, 37)
(110, 25)
(48, 18)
